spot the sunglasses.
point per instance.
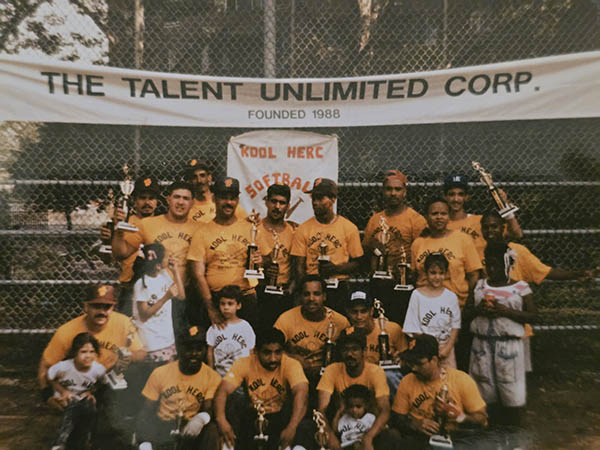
(102, 306)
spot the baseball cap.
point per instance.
(351, 336)
(279, 189)
(193, 335)
(456, 181)
(196, 164)
(359, 298)
(324, 186)
(423, 346)
(395, 175)
(226, 185)
(101, 293)
(146, 184)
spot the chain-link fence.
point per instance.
(57, 176)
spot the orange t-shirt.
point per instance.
(336, 379)
(204, 211)
(127, 263)
(266, 242)
(397, 339)
(471, 226)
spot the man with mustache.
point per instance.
(181, 388)
(145, 196)
(354, 369)
(272, 379)
(274, 231)
(218, 253)
(333, 238)
(199, 175)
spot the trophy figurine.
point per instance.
(272, 286)
(177, 432)
(105, 247)
(329, 345)
(127, 186)
(332, 283)
(261, 423)
(505, 209)
(441, 440)
(116, 378)
(252, 269)
(321, 434)
(383, 340)
(382, 270)
(403, 268)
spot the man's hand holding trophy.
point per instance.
(253, 258)
(505, 209)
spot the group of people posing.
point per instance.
(206, 354)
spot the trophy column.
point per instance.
(272, 286)
(441, 440)
(252, 269)
(383, 340)
(332, 283)
(403, 268)
(382, 271)
(329, 346)
(127, 186)
(321, 434)
(261, 438)
(505, 209)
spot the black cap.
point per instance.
(351, 336)
(146, 184)
(194, 335)
(279, 189)
(456, 181)
(324, 186)
(359, 298)
(196, 164)
(226, 185)
(423, 346)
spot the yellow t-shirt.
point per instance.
(404, 228)
(175, 237)
(335, 378)
(113, 336)
(462, 257)
(127, 263)
(266, 243)
(271, 388)
(528, 267)
(417, 398)
(178, 392)
(341, 236)
(204, 211)
(304, 338)
(397, 339)
(224, 249)
(471, 226)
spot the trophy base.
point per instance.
(404, 287)
(115, 381)
(382, 275)
(126, 226)
(508, 210)
(258, 274)
(261, 438)
(389, 365)
(274, 290)
(439, 441)
(332, 283)
(105, 249)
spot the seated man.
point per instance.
(355, 370)
(270, 378)
(420, 409)
(178, 400)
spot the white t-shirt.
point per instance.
(233, 342)
(351, 429)
(72, 379)
(436, 316)
(156, 332)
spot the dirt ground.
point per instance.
(563, 409)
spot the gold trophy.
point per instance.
(504, 208)
(329, 345)
(261, 423)
(321, 434)
(403, 268)
(382, 271)
(272, 286)
(441, 440)
(106, 247)
(252, 269)
(127, 186)
(383, 340)
(332, 283)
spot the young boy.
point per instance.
(236, 339)
(353, 420)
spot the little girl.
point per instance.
(434, 310)
(353, 421)
(152, 294)
(502, 307)
(73, 380)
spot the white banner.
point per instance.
(296, 158)
(565, 86)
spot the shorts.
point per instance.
(498, 368)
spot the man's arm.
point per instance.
(220, 401)
(144, 418)
(300, 394)
(42, 373)
(383, 405)
(121, 249)
(299, 262)
(199, 271)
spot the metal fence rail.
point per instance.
(55, 175)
